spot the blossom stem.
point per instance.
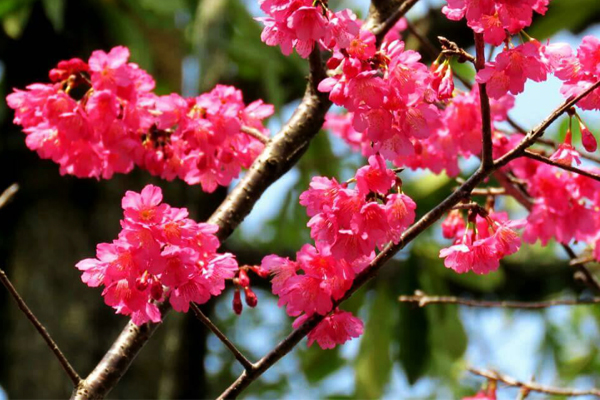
(532, 386)
(40, 328)
(248, 366)
(487, 159)
(546, 160)
(423, 300)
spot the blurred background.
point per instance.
(406, 352)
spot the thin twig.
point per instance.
(41, 329)
(489, 191)
(487, 159)
(566, 167)
(384, 27)
(8, 194)
(255, 133)
(423, 300)
(236, 353)
(449, 48)
(533, 386)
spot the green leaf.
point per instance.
(55, 11)
(573, 15)
(318, 364)
(374, 363)
(9, 6)
(14, 23)
(413, 327)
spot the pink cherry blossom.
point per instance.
(336, 328)
(160, 255)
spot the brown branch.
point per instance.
(546, 160)
(539, 130)
(236, 353)
(255, 133)
(488, 191)
(287, 344)
(40, 328)
(278, 156)
(533, 386)
(382, 26)
(423, 300)
(449, 48)
(487, 159)
(8, 194)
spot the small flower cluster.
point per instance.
(101, 117)
(347, 225)
(458, 133)
(300, 24)
(579, 72)
(160, 254)
(351, 222)
(495, 18)
(309, 285)
(389, 93)
(480, 244)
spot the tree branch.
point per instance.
(546, 160)
(287, 344)
(380, 22)
(64, 363)
(423, 300)
(487, 159)
(255, 133)
(278, 156)
(236, 353)
(532, 386)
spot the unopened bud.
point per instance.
(237, 302)
(243, 279)
(251, 298)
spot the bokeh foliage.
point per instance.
(190, 46)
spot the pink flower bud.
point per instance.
(251, 298)
(237, 302)
(243, 279)
(587, 138)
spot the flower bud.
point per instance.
(237, 302)
(243, 279)
(251, 298)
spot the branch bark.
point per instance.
(546, 160)
(487, 159)
(423, 300)
(533, 386)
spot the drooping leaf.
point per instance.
(374, 363)
(55, 11)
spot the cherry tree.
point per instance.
(103, 116)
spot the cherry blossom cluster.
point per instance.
(458, 133)
(481, 243)
(348, 225)
(389, 92)
(352, 222)
(160, 254)
(496, 19)
(101, 117)
(300, 24)
(531, 60)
